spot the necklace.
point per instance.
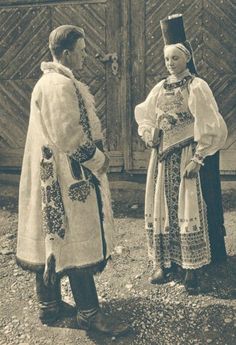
(170, 86)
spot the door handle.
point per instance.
(112, 58)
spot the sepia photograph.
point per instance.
(117, 172)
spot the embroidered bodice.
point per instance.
(183, 109)
(173, 116)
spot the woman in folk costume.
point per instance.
(180, 121)
(65, 217)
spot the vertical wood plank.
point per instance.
(113, 44)
(125, 92)
(138, 63)
(137, 43)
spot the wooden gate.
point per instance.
(24, 30)
(131, 29)
(210, 26)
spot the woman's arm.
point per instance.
(210, 131)
(145, 115)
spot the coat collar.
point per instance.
(52, 66)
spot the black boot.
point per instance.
(89, 315)
(191, 282)
(51, 306)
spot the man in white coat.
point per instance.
(65, 217)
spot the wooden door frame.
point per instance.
(118, 87)
(132, 69)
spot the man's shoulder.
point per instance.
(52, 82)
(54, 78)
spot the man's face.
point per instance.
(175, 60)
(76, 57)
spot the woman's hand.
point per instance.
(147, 138)
(192, 170)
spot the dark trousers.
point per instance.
(82, 286)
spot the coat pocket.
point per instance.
(80, 190)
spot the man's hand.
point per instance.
(192, 170)
(104, 168)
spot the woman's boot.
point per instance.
(158, 276)
(89, 315)
(190, 281)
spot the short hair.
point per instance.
(64, 37)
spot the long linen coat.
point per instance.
(65, 215)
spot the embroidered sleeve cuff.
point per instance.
(96, 162)
(197, 158)
(84, 152)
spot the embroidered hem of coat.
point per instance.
(93, 268)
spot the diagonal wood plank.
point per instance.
(24, 43)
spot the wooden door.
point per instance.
(210, 28)
(24, 29)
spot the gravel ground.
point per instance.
(159, 315)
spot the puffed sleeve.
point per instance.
(61, 116)
(145, 112)
(210, 131)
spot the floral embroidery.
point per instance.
(189, 249)
(46, 171)
(52, 221)
(56, 196)
(47, 152)
(173, 102)
(53, 213)
(79, 191)
(171, 86)
(84, 152)
(84, 120)
(46, 194)
(175, 120)
(167, 121)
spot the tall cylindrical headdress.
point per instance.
(172, 29)
(173, 32)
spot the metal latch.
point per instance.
(110, 57)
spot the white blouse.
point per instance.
(210, 131)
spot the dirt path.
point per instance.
(159, 315)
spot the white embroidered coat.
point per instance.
(81, 229)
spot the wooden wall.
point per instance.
(210, 27)
(131, 29)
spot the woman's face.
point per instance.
(175, 60)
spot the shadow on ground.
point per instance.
(229, 200)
